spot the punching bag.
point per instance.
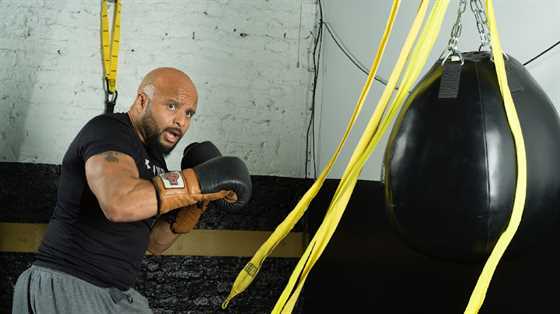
(450, 164)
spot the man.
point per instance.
(114, 186)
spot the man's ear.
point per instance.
(141, 101)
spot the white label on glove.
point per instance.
(173, 180)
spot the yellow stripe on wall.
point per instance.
(26, 237)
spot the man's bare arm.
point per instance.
(123, 196)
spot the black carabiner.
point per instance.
(110, 98)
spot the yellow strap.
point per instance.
(110, 50)
(246, 276)
(479, 292)
(367, 144)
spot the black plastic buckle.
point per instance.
(110, 98)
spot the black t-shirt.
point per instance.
(80, 240)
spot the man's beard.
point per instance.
(152, 134)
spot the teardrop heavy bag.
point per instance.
(450, 165)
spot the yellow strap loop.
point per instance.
(246, 276)
(479, 293)
(110, 50)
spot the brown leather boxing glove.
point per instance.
(224, 179)
(177, 189)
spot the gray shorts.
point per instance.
(42, 290)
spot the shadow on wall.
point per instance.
(21, 56)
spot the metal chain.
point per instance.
(481, 24)
(452, 46)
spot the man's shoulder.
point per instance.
(107, 132)
(115, 127)
(109, 119)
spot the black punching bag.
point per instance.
(450, 165)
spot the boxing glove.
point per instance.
(224, 179)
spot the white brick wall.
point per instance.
(250, 60)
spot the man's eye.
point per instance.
(189, 114)
(172, 106)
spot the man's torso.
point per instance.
(80, 240)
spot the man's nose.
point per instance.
(180, 120)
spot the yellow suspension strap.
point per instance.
(368, 142)
(110, 51)
(479, 292)
(251, 269)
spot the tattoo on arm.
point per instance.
(111, 156)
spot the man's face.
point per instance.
(168, 116)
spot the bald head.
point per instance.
(168, 79)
